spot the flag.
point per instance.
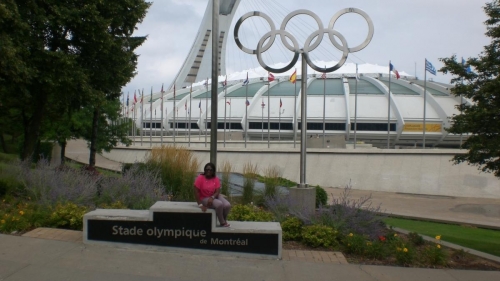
(429, 67)
(245, 83)
(270, 77)
(186, 106)
(224, 83)
(228, 102)
(206, 83)
(247, 103)
(263, 104)
(199, 106)
(135, 98)
(127, 99)
(162, 89)
(281, 103)
(293, 77)
(391, 68)
(174, 93)
(467, 69)
(323, 76)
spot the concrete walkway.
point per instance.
(26, 258)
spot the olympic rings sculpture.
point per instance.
(271, 35)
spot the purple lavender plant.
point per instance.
(138, 188)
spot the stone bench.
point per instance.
(182, 225)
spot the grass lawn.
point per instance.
(484, 240)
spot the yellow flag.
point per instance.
(293, 77)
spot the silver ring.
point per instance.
(271, 35)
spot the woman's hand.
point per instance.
(203, 208)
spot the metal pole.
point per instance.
(206, 114)
(324, 107)
(389, 109)
(268, 114)
(189, 122)
(173, 123)
(225, 110)
(295, 112)
(151, 119)
(161, 117)
(425, 102)
(279, 122)
(142, 114)
(303, 131)
(230, 106)
(262, 134)
(356, 107)
(246, 112)
(215, 75)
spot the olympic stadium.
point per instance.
(357, 103)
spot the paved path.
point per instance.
(27, 258)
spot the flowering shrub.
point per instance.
(416, 239)
(355, 244)
(319, 236)
(68, 215)
(404, 254)
(249, 213)
(292, 229)
(434, 254)
(138, 188)
(17, 216)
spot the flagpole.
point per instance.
(356, 107)
(295, 111)
(186, 120)
(225, 110)
(425, 101)
(268, 112)
(206, 114)
(151, 119)
(173, 123)
(461, 104)
(161, 117)
(142, 115)
(389, 108)
(263, 105)
(246, 111)
(230, 107)
(324, 107)
(190, 110)
(279, 122)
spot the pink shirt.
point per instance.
(206, 187)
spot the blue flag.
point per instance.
(429, 67)
(467, 69)
(127, 100)
(246, 81)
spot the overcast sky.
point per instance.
(406, 32)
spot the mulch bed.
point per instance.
(456, 259)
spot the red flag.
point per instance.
(281, 104)
(228, 102)
(270, 77)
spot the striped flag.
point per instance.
(391, 68)
(429, 67)
(270, 77)
(293, 77)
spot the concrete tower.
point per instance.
(198, 63)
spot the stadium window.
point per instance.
(373, 127)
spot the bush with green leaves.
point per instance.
(355, 244)
(434, 255)
(319, 236)
(321, 196)
(416, 239)
(68, 216)
(404, 253)
(21, 216)
(249, 213)
(291, 229)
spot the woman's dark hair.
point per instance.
(211, 165)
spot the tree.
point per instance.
(63, 56)
(481, 119)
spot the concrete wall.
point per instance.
(402, 170)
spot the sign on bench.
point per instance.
(182, 225)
